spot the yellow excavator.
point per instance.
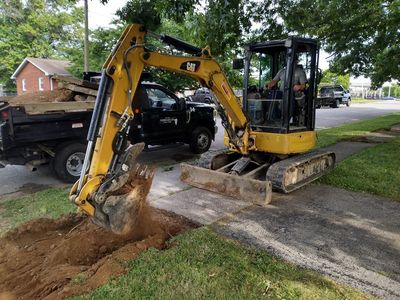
(269, 133)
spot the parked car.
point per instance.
(202, 95)
(333, 96)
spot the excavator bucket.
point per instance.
(120, 199)
(239, 187)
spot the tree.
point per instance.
(141, 12)
(220, 24)
(329, 77)
(151, 13)
(35, 28)
(362, 36)
(102, 41)
(394, 90)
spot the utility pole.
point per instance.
(86, 40)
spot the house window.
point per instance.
(24, 85)
(41, 84)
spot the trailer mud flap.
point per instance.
(242, 188)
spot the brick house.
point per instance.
(35, 74)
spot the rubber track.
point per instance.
(207, 157)
(277, 171)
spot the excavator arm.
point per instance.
(112, 186)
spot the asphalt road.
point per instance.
(19, 178)
(333, 117)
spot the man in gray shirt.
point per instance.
(299, 84)
(299, 80)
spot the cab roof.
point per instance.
(280, 45)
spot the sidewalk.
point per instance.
(352, 237)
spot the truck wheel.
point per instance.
(200, 140)
(68, 161)
(348, 102)
(336, 104)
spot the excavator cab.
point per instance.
(281, 109)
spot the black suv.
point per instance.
(163, 118)
(333, 96)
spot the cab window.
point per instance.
(160, 100)
(263, 106)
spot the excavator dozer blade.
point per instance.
(120, 199)
(239, 187)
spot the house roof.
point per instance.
(48, 66)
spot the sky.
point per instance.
(101, 15)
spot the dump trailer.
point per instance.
(43, 133)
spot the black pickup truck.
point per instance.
(162, 118)
(59, 137)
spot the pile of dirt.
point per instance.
(59, 95)
(52, 259)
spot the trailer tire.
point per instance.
(200, 140)
(68, 161)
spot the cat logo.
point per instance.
(191, 67)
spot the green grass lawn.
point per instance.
(361, 100)
(49, 203)
(333, 135)
(202, 265)
(375, 170)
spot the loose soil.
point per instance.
(59, 95)
(53, 259)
